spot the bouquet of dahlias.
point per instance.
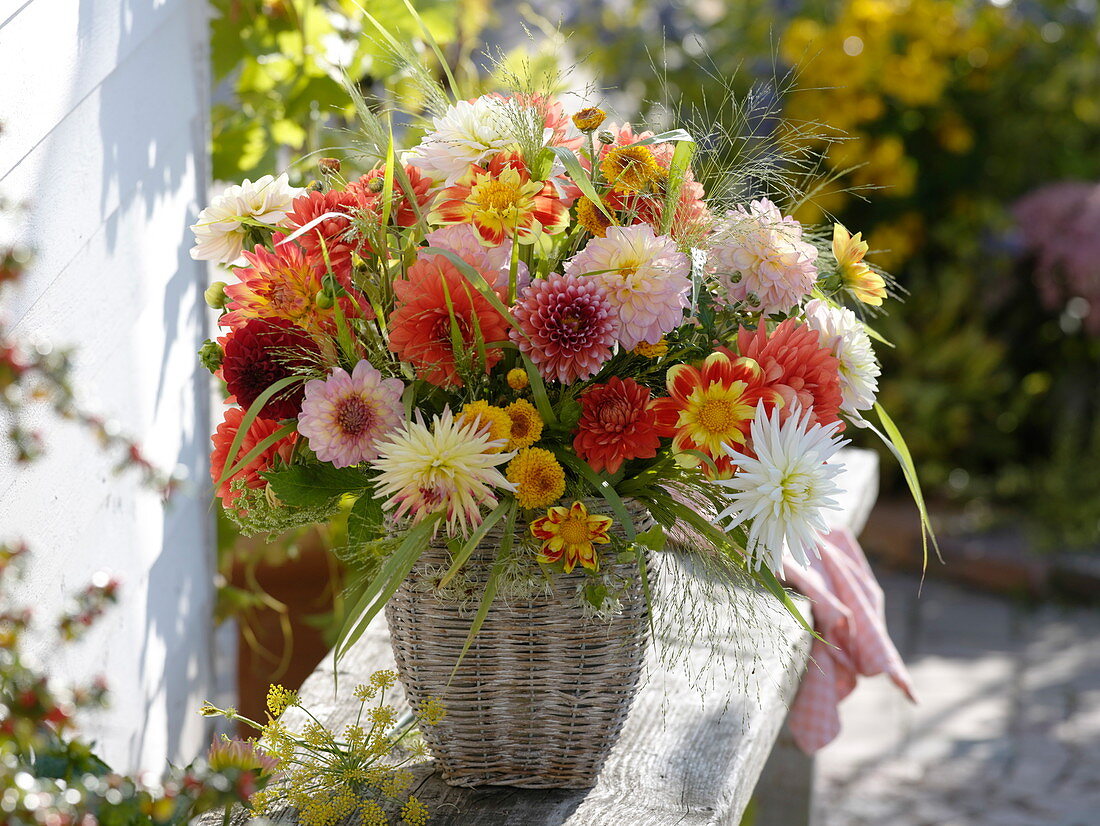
(527, 311)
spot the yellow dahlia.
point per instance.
(517, 378)
(589, 119)
(488, 416)
(631, 168)
(538, 477)
(859, 279)
(571, 533)
(592, 218)
(526, 424)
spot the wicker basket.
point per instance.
(541, 696)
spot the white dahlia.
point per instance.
(782, 492)
(448, 467)
(757, 253)
(222, 227)
(645, 277)
(841, 331)
(469, 132)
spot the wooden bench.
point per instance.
(699, 734)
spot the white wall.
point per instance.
(104, 110)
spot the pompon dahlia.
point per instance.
(501, 201)
(782, 490)
(617, 423)
(221, 228)
(712, 406)
(526, 424)
(368, 189)
(571, 534)
(284, 284)
(797, 367)
(488, 417)
(643, 275)
(758, 257)
(449, 467)
(463, 241)
(222, 440)
(334, 233)
(420, 325)
(538, 477)
(569, 327)
(262, 352)
(845, 337)
(345, 416)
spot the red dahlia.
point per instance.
(332, 231)
(261, 353)
(797, 367)
(617, 423)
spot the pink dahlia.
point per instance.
(644, 276)
(797, 367)
(345, 416)
(570, 326)
(758, 257)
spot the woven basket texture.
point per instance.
(541, 696)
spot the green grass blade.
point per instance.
(601, 487)
(260, 447)
(538, 391)
(251, 414)
(677, 171)
(573, 166)
(467, 549)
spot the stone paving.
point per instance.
(1007, 732)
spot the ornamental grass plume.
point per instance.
(448, 468)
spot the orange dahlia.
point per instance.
(333, 233)
(502, 201)
(571, 533)
(711, 406)
(797, 367)
(284, 284)
(420, 326)
(222, 439)
(617, 423)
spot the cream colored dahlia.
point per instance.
(469, 132)
(222, 227)
(449, 467)
(841, 332)
(780, 494)
(644, 277)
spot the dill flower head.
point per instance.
(449, 467)
(344, 416)
(280, 699)
(526, 424)
(517, 378)
(758, 257)
(488, 418)
(631, 168)
(842, 333)
(858, 278)
(538, 477)
(414, 813)
(432, 711)
(589, 119)
(644, 276)
(782, 491)
(221, 228)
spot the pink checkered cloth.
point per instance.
(848, 613)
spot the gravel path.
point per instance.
(1007, 732)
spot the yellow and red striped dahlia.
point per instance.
(501, 201)
(571, 533)
(712, 406)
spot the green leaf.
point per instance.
(580, 178)
(365, 521)
(538, 392)
(492, 585)
(666, 137)
(310, 486)
(378, 592)
(258, 450)
(654, 538)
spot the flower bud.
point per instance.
(329, 166)
(375, 184)
(323, 300)
(753, 300)
(606, 138)
(589, 119)
(316, 186)
(215, 295)
(211, 355)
